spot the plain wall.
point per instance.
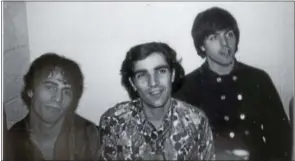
(98, 34)
(16, 59)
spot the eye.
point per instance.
(68, 92)
(49, 86)
(212, 37)
(163, 70)
(230, 34)
(140, 75)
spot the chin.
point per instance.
(226, 62)
(51, 120)
(155, 103)
(159, 103)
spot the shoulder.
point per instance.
(121, 111)
(81, 122)
(18, 128)
(254, 71)
(16, 135)
(194, 74)
(191, 80)
(86, 137)
(193, 113)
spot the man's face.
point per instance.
(153, 80)
(52, 97)
(220, 47)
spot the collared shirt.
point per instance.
(243, 107)
(128, 135)
(78, 140)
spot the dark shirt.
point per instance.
(78, 140)
(243, 107)
(128, 135)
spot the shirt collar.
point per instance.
(167, 120)
(205, 69)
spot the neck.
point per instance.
(220, 69)
(42, 131)
(156, 114)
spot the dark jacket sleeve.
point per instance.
(94, 142)
(87, 143)
(276, 127)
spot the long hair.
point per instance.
(140, 52)
(43, 66)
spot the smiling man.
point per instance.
(241, 102)
(154, 126)
(52, 131)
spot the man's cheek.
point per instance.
(44, 97)
(66, 103)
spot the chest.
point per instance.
(234, 96)
(171, 144)
(46, 149)
(233, 106)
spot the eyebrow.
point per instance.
(156, 68)
(225, 30)
(161, 66)
(140, 71)
(68, 86)
(49, 82)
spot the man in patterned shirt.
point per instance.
(154, 126)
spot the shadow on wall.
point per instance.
(16, 58)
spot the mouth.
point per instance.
(156, 93)
(226, 52)
(53, 108)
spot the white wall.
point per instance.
(98, 34)
(16, 59)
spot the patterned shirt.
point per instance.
(184, 135)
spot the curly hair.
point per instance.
(140, 52)
(43, 66)
(208, 22)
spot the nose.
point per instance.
(153, 80)
(223, 40)
(58, 96)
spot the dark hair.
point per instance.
(140, 52)
(47, 63)
(208, 22)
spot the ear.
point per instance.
(132, 84)
(30, 93)
(202, 48)
(173, 75)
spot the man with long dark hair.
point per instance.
(52, 89)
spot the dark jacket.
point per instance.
(244, 102)
(78, 140)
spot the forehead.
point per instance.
(154, 60)
(57, 76)
(219, 31)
